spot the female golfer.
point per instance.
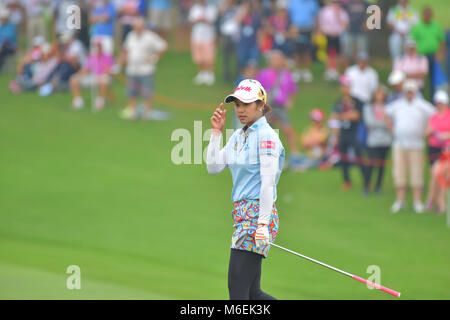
(255, 157)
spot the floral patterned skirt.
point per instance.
(245, 215)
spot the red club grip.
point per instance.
(377, 286)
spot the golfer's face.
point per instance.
(246, 112)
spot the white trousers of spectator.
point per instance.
(36, 27)
(107, 43)
(396, 45)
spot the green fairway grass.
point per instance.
(88, 189)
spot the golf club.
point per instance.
(374, 285)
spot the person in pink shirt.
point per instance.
(96, 72)
(413, 65)
(439, 139)
(333, 20)
(282, 90)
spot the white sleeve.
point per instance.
(269, 168)
(215, 158)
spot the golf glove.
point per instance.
(262, 237)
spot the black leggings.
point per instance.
(244, 276)
(377, 158)
(345, 143)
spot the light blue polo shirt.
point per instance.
(243, 151)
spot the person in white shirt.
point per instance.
(364, 78)
(203, 37)
(400, 18)
(142, 50)
(408, 117)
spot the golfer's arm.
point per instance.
(215, 158)
(269, 168)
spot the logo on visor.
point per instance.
(248, 89)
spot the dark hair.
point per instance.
(266, 107)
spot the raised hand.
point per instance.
(218, 118)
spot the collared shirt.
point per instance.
(412, 64)
(364, 82)
(402, 19)
(410, 120)
(140, 50)
(303, 13)
(105, 28)
(243, 151)
(8, 35)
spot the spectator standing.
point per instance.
(363, 78)
(182, 31)
(96, 72)
(430, 38)
(35, 21)
(103, 18)
(281, 90)
(8, 36)
(379, 138)
(16, 12)
(129, 11)
(439, 138)
(355, 40)
(400, 19)
(59, 21)
(160, 16)
(333, 21)
(250, 20)
(280, 26)
(229, 31)
(413, 65)
(348, 111)
(303, 14)
(203, 40)
(142, 50)
(408, 117)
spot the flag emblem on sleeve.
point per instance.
(267, 144)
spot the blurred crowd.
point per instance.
(277, 42)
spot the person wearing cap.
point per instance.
(141, 51)
(407, 118)
(364, 79)
(71, 58)
(438, 131)
(347, 110)
(249, 72)
(8, 35)
(413, 65)
(314, 140)
(395, 80)
(379, 138)
(255, 157)
(278, 81)
(96, 72)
